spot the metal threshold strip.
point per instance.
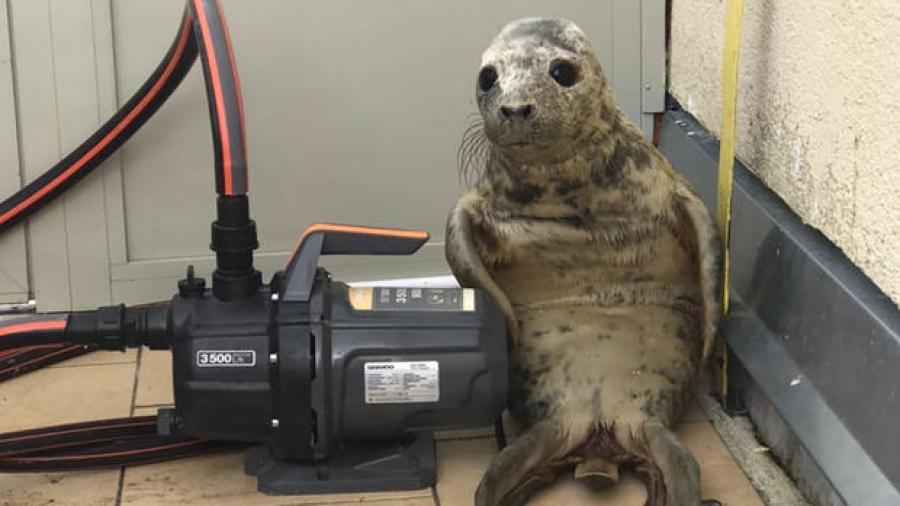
(818, 340)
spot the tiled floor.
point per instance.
(105, 385)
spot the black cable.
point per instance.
(58, 436)
(118, 453)
(19, 361)
(97, 444)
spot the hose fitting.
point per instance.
(120, 327)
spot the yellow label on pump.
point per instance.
(361, 298)
(468, 299)
(388, 298)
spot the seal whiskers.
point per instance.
(472, 153)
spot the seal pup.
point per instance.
(604, 260)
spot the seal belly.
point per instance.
(600, 364)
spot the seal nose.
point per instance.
(517, 113)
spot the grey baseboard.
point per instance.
(819, 342)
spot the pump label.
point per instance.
(388, 298)
(401, 382)
(226, 358)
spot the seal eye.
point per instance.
(564, 73)
(486, 78)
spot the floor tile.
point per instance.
(720, 477)
(99, 357)
(148, 410)
(219, 479)
(628, 492)
(155, 379)
(693, 412)
(478, 432)
(86, 488)
(61, 395)
(411, 501)
(460, 466)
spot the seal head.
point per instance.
(541, 92)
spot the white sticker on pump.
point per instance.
(401, 382)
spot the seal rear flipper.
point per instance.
(522, 468)
(680, 471)
(597, 473)
(467, 265)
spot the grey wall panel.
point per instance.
(61, 100)
(39, 144)
(653, 59)
(626, 53)
(13, 267)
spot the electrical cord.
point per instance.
(96, 444)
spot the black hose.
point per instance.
(233, 233)
(32, 331)
(223, 93)
(106, 328)
(118, 129)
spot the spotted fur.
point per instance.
(604, 261)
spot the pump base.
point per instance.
(357, 467)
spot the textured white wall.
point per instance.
(818, 111)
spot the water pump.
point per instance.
(343, 385)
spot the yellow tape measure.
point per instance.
(726, 160)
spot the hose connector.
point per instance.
(120, 327)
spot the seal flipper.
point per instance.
(467, 265)
(521, 468)
(695, 229)
(680, 472)
(597, 473)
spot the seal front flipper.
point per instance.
(694, 228)
(466, 263)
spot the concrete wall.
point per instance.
(818, 111)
